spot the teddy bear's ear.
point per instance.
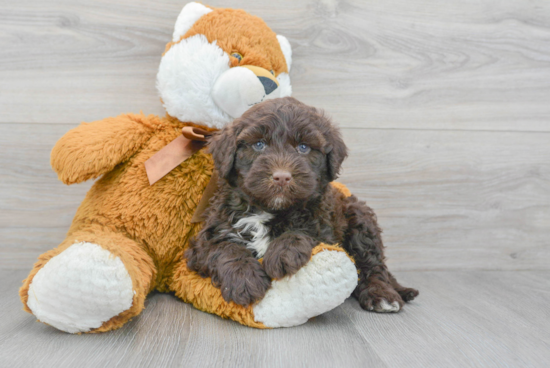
(287, 50)
(190, 13)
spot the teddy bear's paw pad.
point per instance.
(321, 285)
(81, 288)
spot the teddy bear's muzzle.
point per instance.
(242, 87)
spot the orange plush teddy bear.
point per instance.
(128, 236)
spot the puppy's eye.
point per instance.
(259, 146)
(303, 148)
(237, 56)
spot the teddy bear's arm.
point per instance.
(93, 149)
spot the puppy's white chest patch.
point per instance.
(254, 225)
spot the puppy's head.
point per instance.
(279, 153)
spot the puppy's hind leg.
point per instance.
(377, 289)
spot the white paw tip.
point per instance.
(385, 307)
(81, 288)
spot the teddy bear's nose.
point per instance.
(269, 85)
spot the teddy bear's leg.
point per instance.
(94, 281)
(321, 285)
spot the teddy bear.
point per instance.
(129, 234)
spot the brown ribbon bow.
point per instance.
(177, 151)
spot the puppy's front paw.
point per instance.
(283, 261)
(381, 299)
(244, 282)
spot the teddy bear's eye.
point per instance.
(272, 72)
(237, 56)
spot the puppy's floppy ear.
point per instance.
(336, 152)
(223, 146)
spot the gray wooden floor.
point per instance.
(464, 318)
(446, 109)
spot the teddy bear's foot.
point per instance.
(80, 289)
(321, 285)
(96, 280)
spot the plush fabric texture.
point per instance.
(190, 13)
(342, 188)
(284, 85)
(193, 62)
(322, 285)
(146, 226)
(235, 30)
(239, 88)
(128, 237)
(80, 289)
(138, 263)
(204, 54)
(287, 50)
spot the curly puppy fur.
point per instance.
(275, 201)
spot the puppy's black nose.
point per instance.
(282, 177)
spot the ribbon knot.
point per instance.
(180, 149)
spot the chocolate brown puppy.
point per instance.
(275, 202)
